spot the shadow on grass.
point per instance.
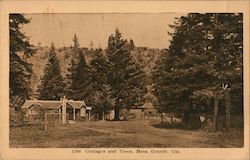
(36, 126)
(167, 126)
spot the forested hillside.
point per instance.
(143, 55)
(146, 57)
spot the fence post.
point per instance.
(161, 117)
(64, 110)
(74, 114)
(46, 125)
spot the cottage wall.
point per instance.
(34, 113)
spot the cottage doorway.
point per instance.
(70, 112)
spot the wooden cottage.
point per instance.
(74, 110)
(145, 111)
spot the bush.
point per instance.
(16, 118)
(208, 125)
(15, 113)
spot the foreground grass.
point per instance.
(120, 134)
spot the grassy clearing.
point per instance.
(120, 134)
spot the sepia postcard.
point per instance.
(124, 80)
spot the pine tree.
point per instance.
(102, 101)
(79, 77)
(52, 84)
(100, 69)
(70, 71)
(126, 78)
(81, 85)
(20, 49)
(227, 49)
(205, 52)
(72, 68)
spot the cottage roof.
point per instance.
(27, 104)
(54, 104)
(77, 104)
(147, 105)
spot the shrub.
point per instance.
(15, 113)
(16, 118)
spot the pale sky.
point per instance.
(147, 30)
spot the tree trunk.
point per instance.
(172, 119)
(216, 106)
(194, 121)
(161, 118)
(228, 112)
(186, 118)
(117, 113)
(103, 115)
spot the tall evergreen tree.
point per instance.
(20, 49)
(52, 84)
(227, 51)
(81, 86)
(72, 68)
(102, 100)
(126, 78)
(99, 69)
(205, 52)
(68, 81)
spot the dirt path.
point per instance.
(107, 131)
(145, 133)
(120, 134)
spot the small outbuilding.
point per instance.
(145, 111)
